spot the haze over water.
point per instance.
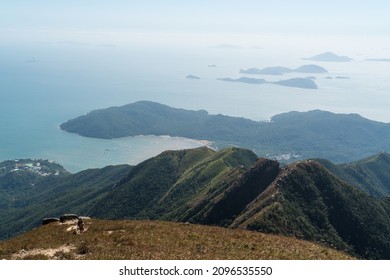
(52, 71)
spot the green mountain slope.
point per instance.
(221, 208)
(19, 177)
(159, 188)
(338, 137)
(230, 188)
(53, 196)
(303, 200)
(309, 202)
(370, 174)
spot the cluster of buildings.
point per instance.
(35, 167)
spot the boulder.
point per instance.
(68, 217)
(46, 221)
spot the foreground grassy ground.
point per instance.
(150, 240)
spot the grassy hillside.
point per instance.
(222, 206)
(337, 137)
(36, 199)
(307, 201)
(165, 186)
(145, 240)
(369, 174)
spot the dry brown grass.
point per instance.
(154, 240)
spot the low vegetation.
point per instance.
(32, 198)
(146, 240)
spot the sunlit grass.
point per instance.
(157, 240)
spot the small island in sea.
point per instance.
(378, 59)
(192, 77)
(329, 57)
(298, 83)
(275, 70)
(280, 70)
(246, 80)
(304, 83)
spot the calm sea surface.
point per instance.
(42, 86)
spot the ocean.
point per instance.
(43, 85)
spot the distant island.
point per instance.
(298, 83)
(192, 77)
(310, 68)
(378, 59)
(338, 78)
(279, 70)
(295, 82)
(306, 134)
(329, 57)
(244, 80)
(32, 60)
(212, 66)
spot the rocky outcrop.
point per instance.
(68, 217)
(46, 221)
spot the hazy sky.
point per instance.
(218, 15)
(40, 19)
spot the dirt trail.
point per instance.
(50, 253)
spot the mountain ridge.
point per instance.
(369, 174)
(302, 200)
(231, 188)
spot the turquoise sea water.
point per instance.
(42, 86)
